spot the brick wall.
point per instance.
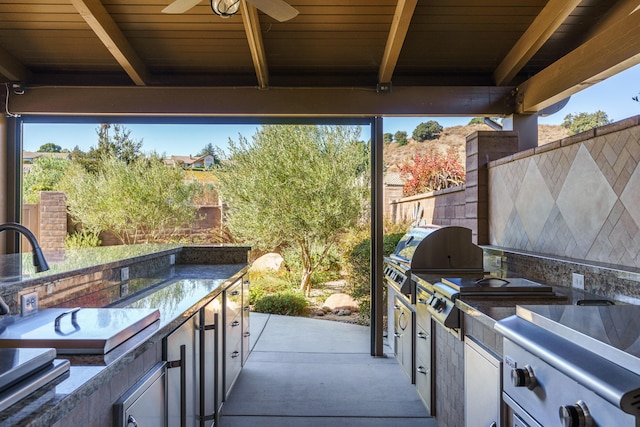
(53, 221)
(50, 223)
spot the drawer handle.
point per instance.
(422, 370)
(246, 308)
(247, 334)
(422, 335)
(235, 293)
(396, 307)
(235, 354)
(132, 420)
(235, 323)
(423, 301)
(397, 335)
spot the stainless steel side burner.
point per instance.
(77, 331)
(439, 297)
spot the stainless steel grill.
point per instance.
(435, 251)
(572, 365)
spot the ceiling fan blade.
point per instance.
(180, 6)
(277, 9)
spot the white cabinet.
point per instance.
(482, 386)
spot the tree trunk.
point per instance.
(305, 282)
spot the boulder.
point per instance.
(271, 261)
(341, 302)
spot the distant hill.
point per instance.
(454, 138)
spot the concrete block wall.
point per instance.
(468, 205)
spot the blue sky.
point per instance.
(613, 96)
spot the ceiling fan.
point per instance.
(277, 9)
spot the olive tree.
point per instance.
(295, 186)
(141, 198)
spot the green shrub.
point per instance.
(356, 254)
(288, 303)
(82, 239)
(268, 282)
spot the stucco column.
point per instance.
(482, 148)
(527, 127)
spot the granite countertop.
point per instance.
(491, 310)
(184, 291)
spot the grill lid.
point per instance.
(439, 249)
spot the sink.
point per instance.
(77, 330)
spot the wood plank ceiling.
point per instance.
(530, 53)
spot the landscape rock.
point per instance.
(271, 261)
(341, 302)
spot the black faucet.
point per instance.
(38, 257)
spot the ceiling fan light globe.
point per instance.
(225, 8)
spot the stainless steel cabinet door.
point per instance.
(144, 405)
(181, 351)
(482, 386)
(211, 365)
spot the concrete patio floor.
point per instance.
(318, 373)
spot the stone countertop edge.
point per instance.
(116, 360)
(488, 311)
(45, 277)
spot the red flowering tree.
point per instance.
(432, 172)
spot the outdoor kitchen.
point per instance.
(122, 334)
(514, 334)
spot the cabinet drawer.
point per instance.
(234, 324)
(423, 343)
(233, 304)
(233, 360)
(424, 383)
(246, 345)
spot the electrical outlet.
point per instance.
(124, 274)
(29, 303)
(577, 281)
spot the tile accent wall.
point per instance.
(576, 198)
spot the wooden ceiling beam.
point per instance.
(545, 24)
(614, 49)
(251, 102)
(395, 40)
(103, 25)
(618, 11)
(13, 69)
(251, 23)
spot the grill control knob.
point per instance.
(576, 415)
(438, 304)
(523, 377)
